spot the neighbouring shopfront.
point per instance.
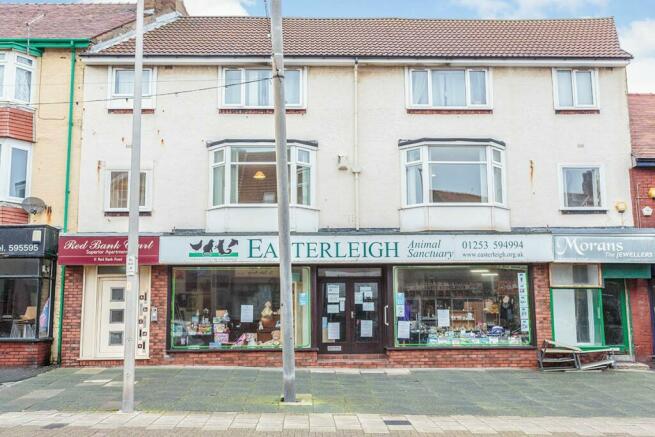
(28, 262)
(599, 292)
(406, 300)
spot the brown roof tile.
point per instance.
(642, 124)
(384, 37)
(63, 20)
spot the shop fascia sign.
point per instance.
(105, 250)
(28, 241)
(432, 248)
(605, 248)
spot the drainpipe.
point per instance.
(355, 168)
(69, 141)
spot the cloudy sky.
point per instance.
(635, 18)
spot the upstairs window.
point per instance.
(582, 188)
(123, 82)
(575, 88)
(16, 77)
(454, 88)
(15, 159)
(252, 87)
(246, 175)
(117, 191)
(454, 174)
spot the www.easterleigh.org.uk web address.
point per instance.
(478, 255)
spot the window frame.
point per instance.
(126, 101)
(292, 163)
(6, 147)
(409, 98)
(562, 194)
(576, 105)
(107, 190)
(221, 90)
(10, 63)
(425, 168)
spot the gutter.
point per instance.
(36, 45)
(69, 141)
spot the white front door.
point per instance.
(111, 329)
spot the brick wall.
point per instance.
(11, 215)
(640, 313)
(641, 179)
(17, 123)
(25, 354)
(395, 358)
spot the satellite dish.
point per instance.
(33, 205)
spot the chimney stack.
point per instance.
(160, 7)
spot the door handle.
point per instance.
(386, 321)
(352, 314)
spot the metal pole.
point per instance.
(288, 355)
(132, 262)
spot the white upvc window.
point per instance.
(16, 77)
(463, 88)
(117, 190)
(15, 169)
(245, 174)
(575, 88)
(582, 187)
(252, 87)
(454, 174)
(121, 87)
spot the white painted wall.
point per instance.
(175, 136)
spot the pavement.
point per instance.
(243, 401)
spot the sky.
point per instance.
(635, 19)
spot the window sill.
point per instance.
(583, 211)
(259, 111)
(577, 111)
(126, 213)
(437, 111)
(25, 340)
(130, 111)
(475, 347)
(453, 205)
(260, 205)
(242, 349)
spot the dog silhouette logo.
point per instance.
(224, 248)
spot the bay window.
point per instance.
(454, 174)
(16, 77)
(117, 191)
(575, 88)
(581, 187)
(252, 87)
(451, 88)
(246, 175)
(15, 166)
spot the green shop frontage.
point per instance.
(359, 299)
(601, 291)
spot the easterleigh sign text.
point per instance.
(362, 249)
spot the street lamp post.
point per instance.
(288, 344)
(132, 261)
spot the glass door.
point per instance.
(350, 318)
(575, 319)
(614, 314)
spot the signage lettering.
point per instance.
(610, 248)
(105, 250)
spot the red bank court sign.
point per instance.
(105, 250)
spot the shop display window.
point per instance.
(235, 307)
(25, 298)
(461, 306)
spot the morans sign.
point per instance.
(605, 248)
(428, 248)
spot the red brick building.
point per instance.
(642, 180)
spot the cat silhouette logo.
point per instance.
(214, 248)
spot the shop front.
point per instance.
(600, 292)
(28, 262)
(359, 299)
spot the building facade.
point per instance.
(40, 138)
(442, 195)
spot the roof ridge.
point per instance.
(253, 17)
